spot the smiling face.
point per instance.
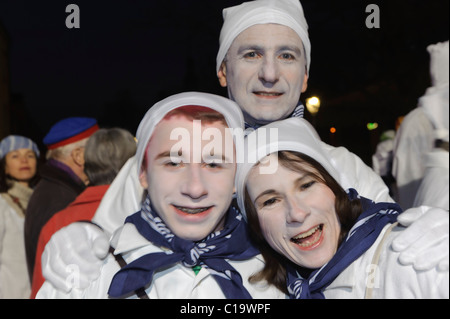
(192, 197)
(265, 71)
(21, 164)
(297, 214)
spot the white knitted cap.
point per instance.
(293, 134)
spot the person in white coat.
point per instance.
(433, 190)
(318, 238)
(264, 61)
(187, 240)
(419, 130)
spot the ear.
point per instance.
(78, 156)
(143, 178)
(305, 83)
(222, 75)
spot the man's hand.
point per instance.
(74, 255)
(425, 225)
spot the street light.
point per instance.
(372, 126)
(313, 105)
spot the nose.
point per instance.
(296, 211)
(269, 71)
(24, 159)
(194, 183)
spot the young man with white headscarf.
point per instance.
(264, 60)
(187, 240)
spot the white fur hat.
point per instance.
(284, 12)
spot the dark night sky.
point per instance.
(127, 55)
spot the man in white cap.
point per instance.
(264, 60)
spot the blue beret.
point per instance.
(70, 130)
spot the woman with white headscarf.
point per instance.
(320, 240)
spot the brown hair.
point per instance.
(274, 271)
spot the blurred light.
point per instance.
(372, 126)
(313, 105)
(332, 130)
(398, 122)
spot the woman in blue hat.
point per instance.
(18, 174)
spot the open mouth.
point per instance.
(192, 211)
(310, 238)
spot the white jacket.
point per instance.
(414, 139)
(433, 190)
(175, 282)
(14, 279)
(386, 278)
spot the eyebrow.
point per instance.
(297, 182)
(259, 48)
(250, 47)
(224, 159)
(163, 155)
(266, 192)
(295, 49)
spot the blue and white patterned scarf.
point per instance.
(298, 112)
(233, 243)
(360, 238)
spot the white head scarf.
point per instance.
(293, 134)
(124, 196)
(435, 101)
(284, 12)
(439, 63)
(229, 109)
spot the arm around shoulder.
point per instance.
(356, 174)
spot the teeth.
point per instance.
(192, 210)
(268, 94)
(308, 233)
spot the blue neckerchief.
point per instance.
(360, 238)
(233, 242)
(298, 112)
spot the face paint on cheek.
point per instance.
(268, 230)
